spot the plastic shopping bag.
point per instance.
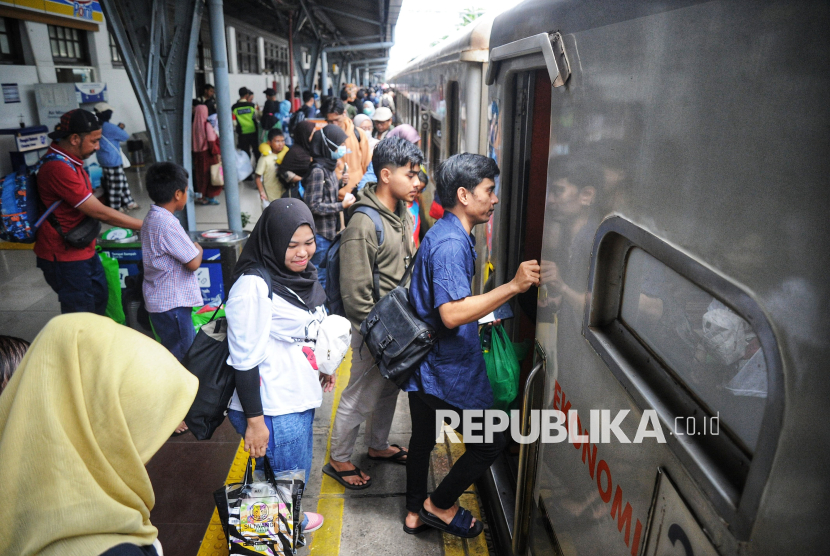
(502, 367)
(115, 310)
(244, 168)
(262, 515)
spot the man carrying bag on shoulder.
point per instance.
(65, 242)
(372, 264)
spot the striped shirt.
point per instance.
(165, 249)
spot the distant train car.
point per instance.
(442, 95)
(668, 164)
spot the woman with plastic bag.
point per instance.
(272, 339)
(87, 408)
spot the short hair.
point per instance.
(163, 179)
(288, 96)
(465, 170)
(12, 351)
(333, 106)
(395, 152)
(207, 87)
(307, 96)
(344, 94)
(243, 92)
(274, 132)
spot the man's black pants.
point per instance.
(477, 457)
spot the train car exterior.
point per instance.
(667, 162)
(441, 94)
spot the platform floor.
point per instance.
(185, 472)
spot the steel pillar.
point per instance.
(324, 62)
(219, 52)
(159, 56)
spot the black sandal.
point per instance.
(338, 476)
(394, 458)
(415, 530)
(459, 526)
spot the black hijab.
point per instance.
(266, 248)
(321, 149)
(298, 157)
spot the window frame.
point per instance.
(15, 56)
(115, 52)
(80, 40)
(733, 480)
(247, 61)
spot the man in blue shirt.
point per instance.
(453, 376)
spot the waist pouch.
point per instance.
(81, 235)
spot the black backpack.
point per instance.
(331, 262)
(295, 119)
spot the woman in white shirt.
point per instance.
(272, 339)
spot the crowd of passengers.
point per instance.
(91, 401)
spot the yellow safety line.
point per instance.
(214, 542)
(327, 538)
(455, 546)
(9, 246)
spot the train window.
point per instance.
(452, 118)
(708, 347)
(695, 347)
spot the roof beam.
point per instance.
(311, 20)
(346, 14)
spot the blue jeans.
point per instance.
(290, 440)
(319, 256)
(81, 285)
(175, 329)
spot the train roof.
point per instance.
(570, 16)
(469, 44)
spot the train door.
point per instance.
(518, 237)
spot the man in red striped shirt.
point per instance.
(74, 273)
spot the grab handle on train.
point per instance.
(534, 388)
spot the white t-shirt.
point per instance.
(272, 333)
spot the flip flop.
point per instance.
(179, 433)
(338, 476)
(394, 458)
(415, 530)
(459, 526)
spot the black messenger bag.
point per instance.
(396, 336)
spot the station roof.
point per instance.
(332, 22)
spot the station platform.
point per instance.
(185, 472)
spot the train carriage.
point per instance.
(667, 163)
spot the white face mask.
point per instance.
(725, 334)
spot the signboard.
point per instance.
(53, 101)
(11, 93)
(673, 529)
(32, 142)
(90, 92)
(84, 10)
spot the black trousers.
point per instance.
(477, 458)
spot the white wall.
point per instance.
(36, 49)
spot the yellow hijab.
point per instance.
(89, 405)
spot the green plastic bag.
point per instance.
(203, 318)
(502, 367)
(115, 310)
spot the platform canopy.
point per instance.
(329, 24)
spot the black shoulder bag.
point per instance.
(207, 360)
(396, 336)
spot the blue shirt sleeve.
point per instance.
(449, 263)
(368, 177)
